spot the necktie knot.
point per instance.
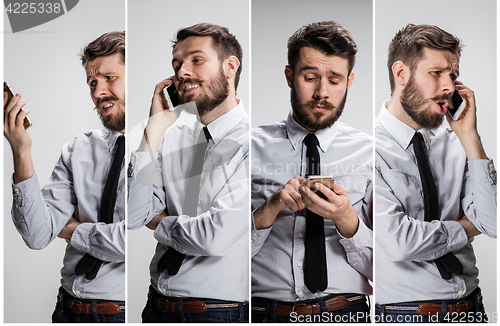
(207, 133)
(417, 137)
(311, 139)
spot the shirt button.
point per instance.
(132, 158)
(492, 175)
(460, 292)
(86, 250)
(19, 197)
(161, 241)
(164, 290)
(251, 240)
(348, 247)
(103, 258)
(491, 165)
(16, 189)
(296, 143)
(23, 220)
(432, 257)
(255, 235)
(451, 248)
(300, 293)
(299, 264)
(344, 241)
(168, 243)
(184, 251)
(354, 264)
(404, 144)
(131, 168)
(301, 234)
(77, 292)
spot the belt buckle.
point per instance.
(75, 302)
(466, 302)
(298, 305)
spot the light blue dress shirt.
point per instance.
(278, 155)
(216, 240)
(75, 189)
(406, 245)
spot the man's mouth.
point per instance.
(443, 107)
(190, 88)
(106, 108)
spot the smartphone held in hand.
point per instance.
(10, 94)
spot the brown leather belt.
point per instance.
(191, 306)
(332, 304)
(103, 308)
(431, 308)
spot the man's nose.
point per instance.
(321, 91)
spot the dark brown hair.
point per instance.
(224, 43)
(409, 42)
(328, 37)
(106, 44)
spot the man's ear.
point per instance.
(401, 73)
(289, 75)
(232, 65)
(350, 79)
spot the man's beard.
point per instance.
(312, 120)
(215, 92)
(114, 122)
(413, 103)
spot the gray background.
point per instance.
(42, 64)
(474, 22)
(149, 59)
(273, 22)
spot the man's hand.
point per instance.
(160, 118)
(68, 229)
(287, 196)
(465, 127)
(469, 228)
(18, 137)
(155, 221)
(335, 207)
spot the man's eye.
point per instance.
(310, 79)
(436, 72)
(110, 77)
(92, 83)
(334, 82)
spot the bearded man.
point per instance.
(435, 187)
(83, 201)
(312, 251)
(199, 208)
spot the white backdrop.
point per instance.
(474, 22)
(42, 64)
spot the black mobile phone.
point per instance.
(170, 93)
(10, 94)
(458, 103)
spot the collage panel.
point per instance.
(422, 255)
(188, 246)
(268, 169)
(61, 161)
(311, 255)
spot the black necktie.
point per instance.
(448, 263)
(172, 259)
(315, 273)
(90, 265)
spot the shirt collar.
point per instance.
(110, 136)
(296, 133)
(401, 132)
(222, 125)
